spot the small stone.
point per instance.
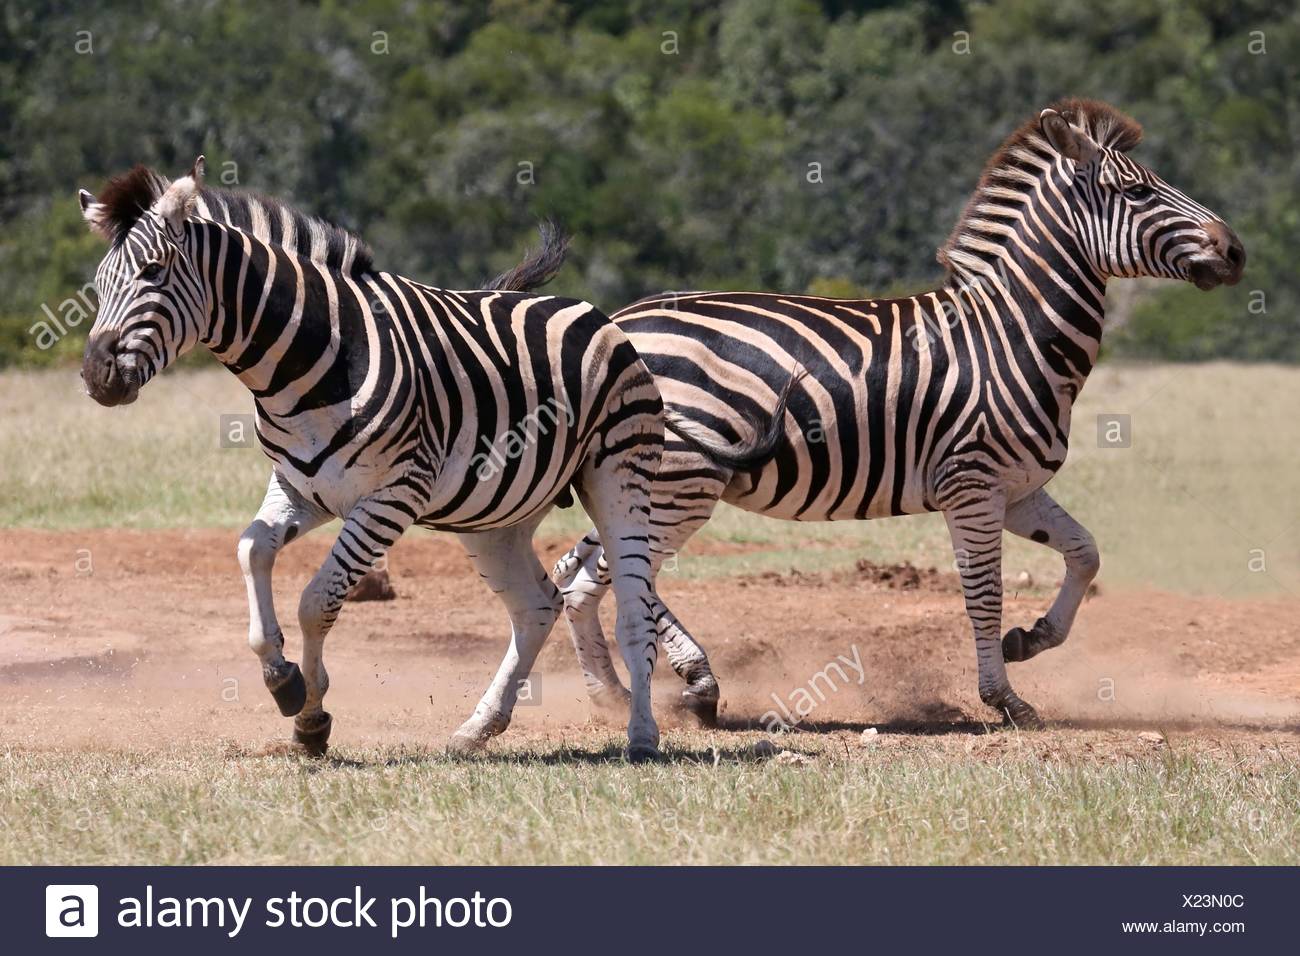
(764, 749)
(1151, 737)
(1024, 580)
(870, 736)
(792, 759)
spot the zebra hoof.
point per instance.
(464, 744)
(1015, 646)
(1021, 716)
(642, 753)
(314, 740)
(703, 709)
(291, 692)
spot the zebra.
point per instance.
(387, 403)
(277, 223)
(955, 400)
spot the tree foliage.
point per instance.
(781, 144)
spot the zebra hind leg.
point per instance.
(505, 559)
(683, 498)
(1040, 519)
(976, 529)
(615, 491)
(583, 579)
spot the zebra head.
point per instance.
(152, 299)
(1130, 222)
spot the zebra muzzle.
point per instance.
(108, 380)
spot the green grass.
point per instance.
(1210, 477)
(382, 807)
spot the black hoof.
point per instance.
(1015, 646)
(291, 692)
(314, 740)
(640, 753)
(703, 709)
(1021, 645)
(1021, 716)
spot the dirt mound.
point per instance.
(904, 577)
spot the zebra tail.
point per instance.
(539, 265)
(744, 455)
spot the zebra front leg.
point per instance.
(370, 529)
(1040, 519)
(976, 530)
(505, 560)
(284, 516)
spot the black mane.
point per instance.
(127, 197)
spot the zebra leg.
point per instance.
(976, 530)
(583, 578)
(284, 516)
(505, 560)
(372, 527)
(616, 493)
(1039, 518)
(682, 501)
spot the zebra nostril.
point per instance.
(1235, 254)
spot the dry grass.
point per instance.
(1210, 477)
(1214, 453)
(1048, 801)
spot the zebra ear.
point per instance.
(177, 203)
(1070, 141)
(95, 214)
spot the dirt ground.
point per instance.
(131, 640)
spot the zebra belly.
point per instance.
(810, 483)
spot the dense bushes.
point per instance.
(757, 143)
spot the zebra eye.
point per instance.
(1139, 192)
(151, 271)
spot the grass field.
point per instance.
(1209, 485)
(1210, 477)
(585, 806)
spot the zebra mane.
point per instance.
(1016, 166)
(127, 197)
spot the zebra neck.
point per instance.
(278, 318)
(1043, 286)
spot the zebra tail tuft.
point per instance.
(744, 455)
(539, 265)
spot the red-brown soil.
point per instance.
(126, 639)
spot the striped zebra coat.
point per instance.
(387, 403)
(957, 400)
